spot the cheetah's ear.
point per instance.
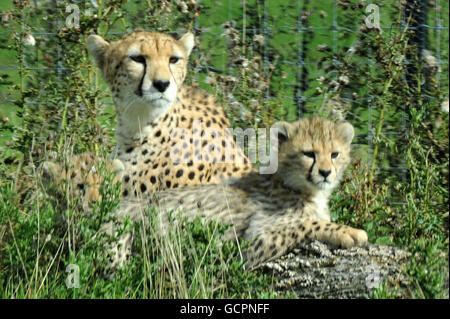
(50, 171)
(284, 131)
(346, 131)
(188, 42)
(97, 47)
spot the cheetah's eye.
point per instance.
(173, 59)
(138, 58)
(334, 155)
(309, 154)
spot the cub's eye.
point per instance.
(138, 58)
(173, 59)
(334, 155)
(309, 154)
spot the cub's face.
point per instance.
(315, 153)
(143, 67)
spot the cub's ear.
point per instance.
(188, 41)
(284, 131)
(345, 131)
(50, 171)
(97, 47)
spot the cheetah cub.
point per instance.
(276, 212)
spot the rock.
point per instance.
(316, 270)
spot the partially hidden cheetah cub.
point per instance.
(79, 178)
(275, 212)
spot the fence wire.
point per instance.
(430, 30)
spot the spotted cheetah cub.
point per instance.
(276, 212)
(78, 177)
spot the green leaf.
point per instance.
(384, 240)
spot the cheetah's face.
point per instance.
(143, 68)
(315, 153)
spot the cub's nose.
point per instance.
(161, 86)
(324, 173)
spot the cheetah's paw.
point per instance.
(351, 237)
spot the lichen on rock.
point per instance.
(317, 270)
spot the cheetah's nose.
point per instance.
(325, 174)
(161, 86)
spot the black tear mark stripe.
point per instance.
(139, 90)
(310, 169)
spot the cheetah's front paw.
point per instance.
(350, 237)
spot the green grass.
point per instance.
(188, 262)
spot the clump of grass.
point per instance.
(188, 261)
(410, 207)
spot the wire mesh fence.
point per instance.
(290, 38)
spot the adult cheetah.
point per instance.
(168, 135)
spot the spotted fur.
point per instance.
(275, 212)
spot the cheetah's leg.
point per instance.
(278, 238)
(338, 235)
(119, 251)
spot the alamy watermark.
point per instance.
(211, 145)
(73, 279)
(373, 19)
(73, 17)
